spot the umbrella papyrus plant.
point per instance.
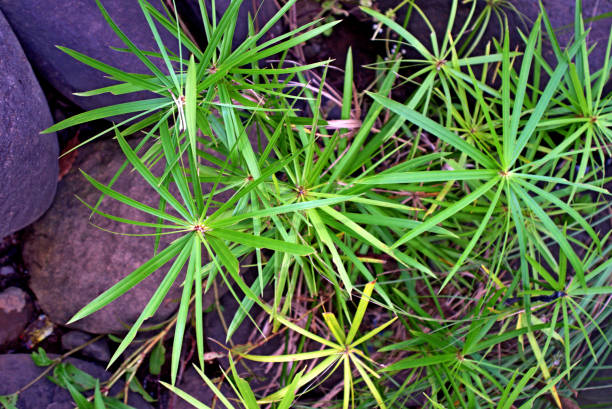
(342, 350)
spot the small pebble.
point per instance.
(15, 311)
(6, 271)
(98, 350)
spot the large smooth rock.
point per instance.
(71, 261)
(79, 25)
(18, 370)
(16, 310)
(28, 160)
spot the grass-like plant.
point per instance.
(463, 202)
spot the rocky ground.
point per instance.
(52, 259)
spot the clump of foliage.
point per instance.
(466, 214)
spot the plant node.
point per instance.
(201, 228)
(301, 191)
(440, 64)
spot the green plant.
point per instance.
(345, 352)
(199, 226)
(453, 200)
(76, 381)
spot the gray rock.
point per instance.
(29, 160)
(80, 25)
(15, 312)
(71, 261)
(98, 350)
(18, 370)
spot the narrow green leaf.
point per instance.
(155, 300)
(542, 105)
(373, 332)
(289, 397)
(325, 238)
(554, 232)
(521, 88)
(347, 90)
(271, 211)
(332, 323)
(436, 129)
(132, 203)
(132, 48)
(98, 402)
(359, 314)
(105, 112)
(417, 362)
(428, 176)
(223, 254)
(366, 378)
(191, 103)
(314, 373)
(563, 206)
(150, 178)
(130, 221)
(411, 39)
(181, 317)
(160, 44)
(302, 356)
(260, 242)
(476, 236)
(448, 212)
